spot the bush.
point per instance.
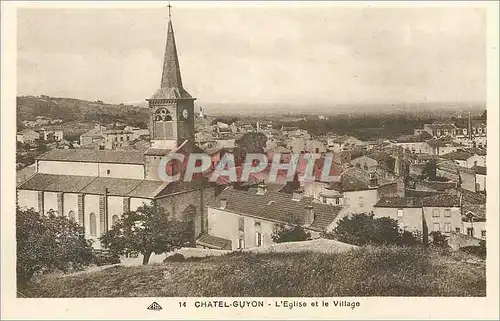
(364, 229)
(289, 233)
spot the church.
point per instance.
(95, 187)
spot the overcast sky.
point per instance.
(276, 55)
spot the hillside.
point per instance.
(359, 272)
(69, 110)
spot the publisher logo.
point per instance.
(154, 306)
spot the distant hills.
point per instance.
(70, 109)
(439, 108)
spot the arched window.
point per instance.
(102, 220)
(93, 225)
(115, 219)
(158, 118)
(71, 215)
(168, 118)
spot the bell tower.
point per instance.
(171, 120)
(171, 112)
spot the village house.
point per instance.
(374, 162)
(438, 213)
(136, 132)
(473, 205)
(442, 213)
(414, 143)
(480, 176)
(440, 129)
(406, 210)
(355, 189)
(441, 146)
(344, 143)
(239, 219)
(463, 176)
(27, 136)
(465, 158)
(53, 134)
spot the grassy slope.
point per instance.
(361, 272)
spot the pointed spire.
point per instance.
(171, 76)
(171, 81)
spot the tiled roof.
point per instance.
(481, 170)
(97, 156)
(442, 126)
(472, 197)
(27, 131)
(351, 181)
(420, 194)
(457, 155)
(56, 183)
(438, 186)
(478, 213)
(409, 139)
(478, 151)
(399, 202)
(214, 241)
(279, 149)
(439, 142)
(380, 156)
(156, 152)
(276, 206)
(441, 200)
(181, 186)
(116, 186)
(147, 189)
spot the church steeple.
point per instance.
(171, 81)
(171, 120)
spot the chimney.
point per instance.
(223, 202)
(309, 215)
(261, 189)
(297, 195)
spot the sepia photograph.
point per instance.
(314, 153)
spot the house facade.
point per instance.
(247, 218)
(27, 136)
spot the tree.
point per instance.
(148, 230)
(429, 170)
(41, 147)
(364, 229)
(48, 243)
(252, 142)
(289, 233)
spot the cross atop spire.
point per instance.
(169, 14)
